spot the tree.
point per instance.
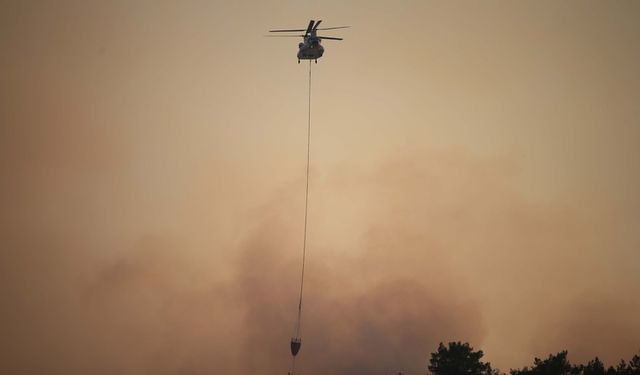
(554, 365)
(458, 359)
(632, 368)
(634, 365)
(594, 367)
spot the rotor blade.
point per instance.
(285, 31)
(309, 27)
(284, 36)
(316, 25)
(328, 37)
(333, 28)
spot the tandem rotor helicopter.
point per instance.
(310, 48)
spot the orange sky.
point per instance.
(474, 177)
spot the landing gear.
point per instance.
(298, 61)
(316, 61)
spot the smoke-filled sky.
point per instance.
(474, 177)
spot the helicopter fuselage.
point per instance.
(310, 49)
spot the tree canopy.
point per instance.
(460, 359)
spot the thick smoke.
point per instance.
(162, 306)
(357, 318)
(398, 261)
(150, 191)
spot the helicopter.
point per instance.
(310, 48)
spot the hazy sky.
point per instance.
(474, 177)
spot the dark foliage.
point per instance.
(554, 365)
(460, 359)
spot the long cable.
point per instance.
(306, 208)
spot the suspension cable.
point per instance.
(306, 208)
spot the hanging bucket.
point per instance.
(296, 343)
